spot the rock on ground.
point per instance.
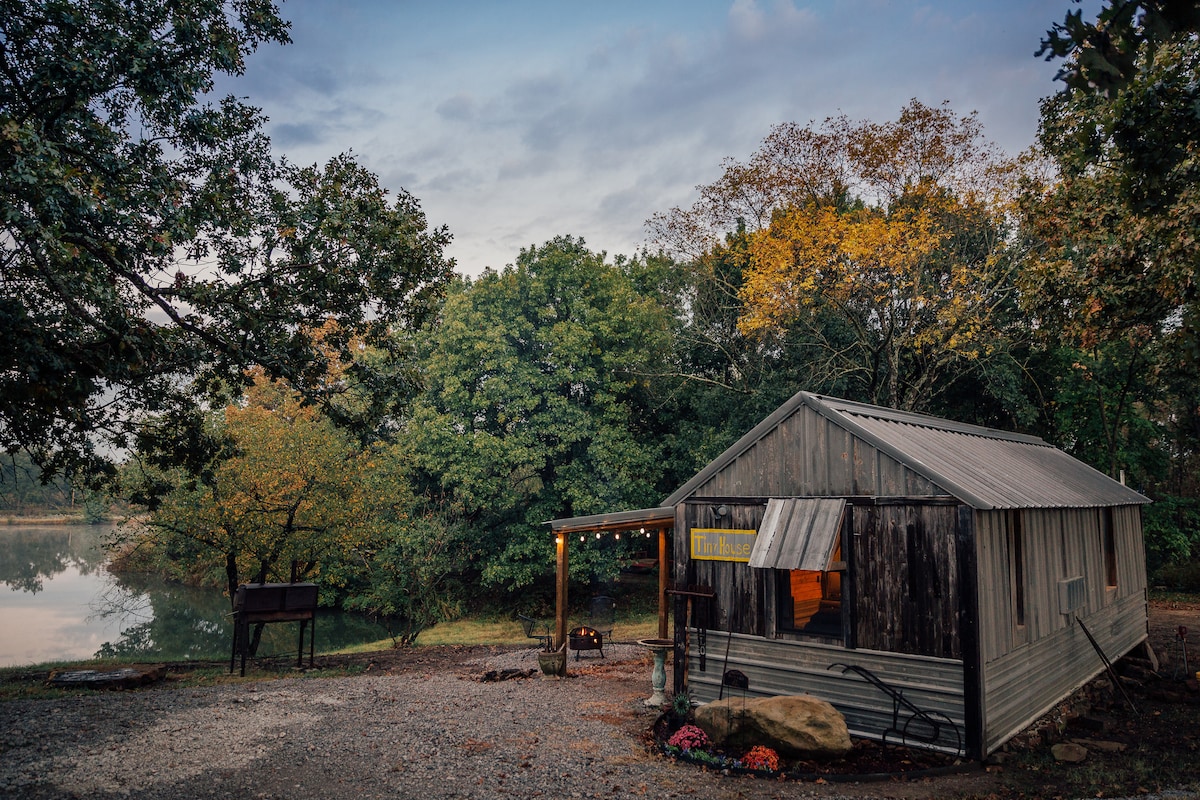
(797, 726)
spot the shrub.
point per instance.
(761, 757)
(689, 737)
(1180, 577)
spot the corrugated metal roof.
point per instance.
(617, 521)
(983, 467)
(798, 533)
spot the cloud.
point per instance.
(459, 108)
(749, 23)
(514, 124)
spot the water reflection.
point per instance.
(62, 604)
(28, 555)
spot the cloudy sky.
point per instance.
(514, 122)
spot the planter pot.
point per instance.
(553, 664)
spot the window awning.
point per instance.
(798, 533)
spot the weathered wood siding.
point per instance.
(739, 604)
(905, 578)
(1026, 669)
(807, 455)
(900, 594)
(782, 667)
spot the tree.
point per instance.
(903, 244)
(536, 406)
(721, 381)
(152, 249)
(290, 487)
(1113, 285)
(1121, 222)
(1118, 224)
(414, 574)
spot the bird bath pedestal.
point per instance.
(658, 678)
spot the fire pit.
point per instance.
(585, 638)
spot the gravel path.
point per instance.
(418, 735)
(430, 731)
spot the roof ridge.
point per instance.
(919, 419)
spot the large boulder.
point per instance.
(796, 726)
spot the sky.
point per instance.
(515, 122)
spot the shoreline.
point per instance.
(56, 520)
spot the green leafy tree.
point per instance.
(536, 406)
(1113, 285)
(413, 574)
(719, 381)
(1121, 220)
(152, 249)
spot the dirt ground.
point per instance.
(1129, 753)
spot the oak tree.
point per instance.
(536, 406)
(152, 249)
(897, 232)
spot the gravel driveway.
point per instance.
(427, 735)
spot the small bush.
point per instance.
(761, 757)
(1180, 577)
(689, 737)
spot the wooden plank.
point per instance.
(560, 594)
(967, 576)
(663, 571)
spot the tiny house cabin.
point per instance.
(939, 583)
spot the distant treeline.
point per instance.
(24, 494)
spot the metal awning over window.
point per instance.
(798, 533)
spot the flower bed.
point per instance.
(866, 760)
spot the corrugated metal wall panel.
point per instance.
(798, 533)
(782, 667)
(1058, 544)
(1025, 683)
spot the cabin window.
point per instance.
(810, 601)
(1016, 554)
(1109, 546)
(800, 539)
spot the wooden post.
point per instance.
(662, 583)
(560, 618)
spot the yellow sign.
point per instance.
(722, 544)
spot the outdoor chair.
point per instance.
(536, 630)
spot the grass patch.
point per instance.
(502, 631)
(1160, 594)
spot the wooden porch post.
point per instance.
(560, 601)
(662, 583)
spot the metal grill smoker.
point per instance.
(273, 602)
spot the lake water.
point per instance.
(59, 603)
